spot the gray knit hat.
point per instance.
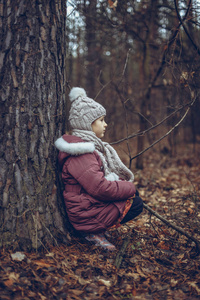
(83, 110)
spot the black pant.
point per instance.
(135, 209)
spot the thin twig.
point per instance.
(126, 62)
(103, 87)
(165, 135)
(171, 41)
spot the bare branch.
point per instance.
(177, 124)
(103, 87)
(184, 27)
(154, 126)
(171, 42)
(123, 103)
(126, 62)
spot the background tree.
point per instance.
(32, 114)
(144, 55)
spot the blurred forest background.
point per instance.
(141, 60)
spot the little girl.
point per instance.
(99, 191)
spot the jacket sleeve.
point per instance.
(86, 170)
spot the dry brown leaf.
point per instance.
(42, 296)
(32, 294)
(162, 245)
(173, 282)
(83, 281)
(76, 292)
(140, 272)
(8, 282)
(14, 276)
(50, 254)
(41, 263)
(105, 282)
(133, 275)
(195, 286)
(191, 211)
(112, 4)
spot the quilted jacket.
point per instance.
(93, 203)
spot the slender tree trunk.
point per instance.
(146, 70)
(78, 60)
(194, 112)
(92, 55)
(32, 104)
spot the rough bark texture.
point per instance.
(32, 63)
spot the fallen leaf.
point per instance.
(19, 256)
(195, 286)
(13, 276)
(173, 282)
(140, 272)
(76, 292)
(50, 254)
(105, 282)
(8, 282)
(82, 281)
(162, 245)
(42, 296)
(112, 4)
(41, 263)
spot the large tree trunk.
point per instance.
(32, 104)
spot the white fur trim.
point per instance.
(76, 92)
(112, 177)
(74, 148)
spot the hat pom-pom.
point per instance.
(76, 92)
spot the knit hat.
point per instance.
(84, 111)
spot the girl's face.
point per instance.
(99, 127)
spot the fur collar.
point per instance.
(74, 148)
(78, 149)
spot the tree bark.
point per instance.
(32, 104)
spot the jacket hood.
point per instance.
(71, 145)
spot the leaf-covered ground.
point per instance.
(159, 263)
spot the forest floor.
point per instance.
(159, 263)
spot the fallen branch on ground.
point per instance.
(121, 252)
(175, 227)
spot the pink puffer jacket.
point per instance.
(92, 202)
